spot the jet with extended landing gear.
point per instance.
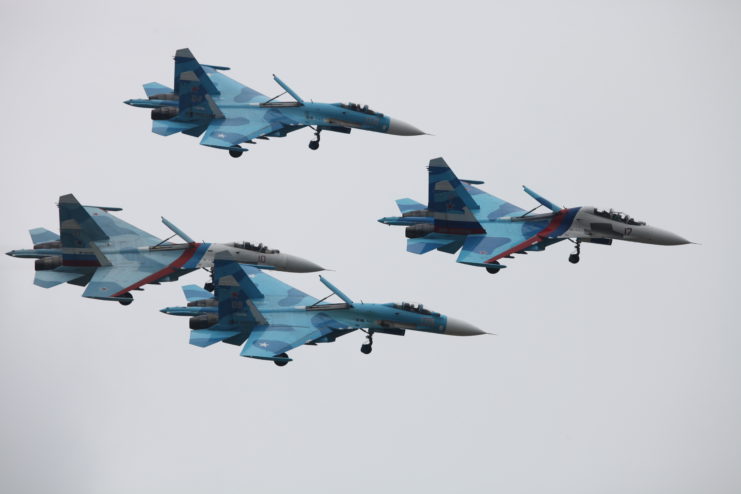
(485, 228)
(113, 258)
(228, 114)
(270, 318)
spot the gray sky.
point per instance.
(618, 375)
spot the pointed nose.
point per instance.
(295, 264)
(657, 236)
(401, 128)
(456, 327)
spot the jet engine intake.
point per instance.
(419, 230)
(47, 263)
(164, 113)
(204, 321)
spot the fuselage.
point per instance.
(390, 317)
(586, 223)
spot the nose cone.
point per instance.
(401, 128)
(657, 236)
(456, 327)
(296, 264)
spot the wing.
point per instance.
(284, 332)
(423, 245)
(231, 90)
(491, 207)
(80, 225)
(269, 342)
(505, 238)
(128, 273)
(275, 293)
(230, 132)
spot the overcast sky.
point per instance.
(616, 375)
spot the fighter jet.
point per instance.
(271, 318)
(228, 114)
(486, 228)
(113, 258)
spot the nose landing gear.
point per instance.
(367, 347)
(574, 258)
(314, 145)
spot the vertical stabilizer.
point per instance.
(194, 89)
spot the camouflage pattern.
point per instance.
(206, 102)
(270, 318)
(112, 258)
(485, 228)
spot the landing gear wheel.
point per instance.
(494, 268)
(367, 347)
(129, 298)
(574, 258)
(209, 287)
(314, 145)
(281, 363)
(234, 153)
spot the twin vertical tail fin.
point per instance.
(450, 202)
(237, 314)
(194, 90)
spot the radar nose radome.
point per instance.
(400, 128)
(456, 327)
(657, 236)
(295, 264)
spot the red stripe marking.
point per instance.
(555, 223)
(176, 264)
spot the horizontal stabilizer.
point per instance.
(405, 205)
(155, 88)
(48, 279)
(194, 293)
(169, 127)
(206, 337)
(42, 235)
(424, 245)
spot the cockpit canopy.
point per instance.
(263, 249)
(618, 216)
(416, 308)
(361, 109)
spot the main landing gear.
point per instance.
(367, 347)
(314, 145)
(129, 298)
(235, 153)
(574, 258)
(280, 363)
(493, 269)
